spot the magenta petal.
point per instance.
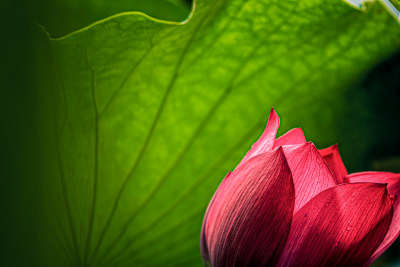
(203, 242)
(292, 137)
(392, 179)
(310, 173)
(341, 226)
(336, 165)
(267, 139)
(392, 233)
(249, 220)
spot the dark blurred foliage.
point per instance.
(19, 149)
(382, 94)
(396, 3)
(372, 124)
(62, 17)
(373, 127)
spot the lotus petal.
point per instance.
(249, 220)
(393, 181)
(335, 163)
(342, 226)
(310, 173)
(267, 138)
(292, 137)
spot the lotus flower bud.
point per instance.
(289, 204)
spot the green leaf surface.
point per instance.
(150, 115)
(61, 17)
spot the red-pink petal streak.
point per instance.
(392, 233)
(203, 241)
(249, 221)
(310, 173)
(292, 137)
(267, 139)
(393, 181)
(336, 165)
(341, 226)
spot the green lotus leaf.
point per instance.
(149, 115)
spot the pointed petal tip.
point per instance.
(307, 145)
(279, 152)
(310, 143)
(310, 173)
(294, 136)
(266, 140)
(273, 114)
(299, 129)
(332, 157)
(379, 187)
(391, 180)
(330, 149)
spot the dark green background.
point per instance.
(369, 124)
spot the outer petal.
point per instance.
(267, 139)
(332, 157)
(249, 220)
(310, 173)
(341, 226)
(393, 181)
(292, 137)
(392, 234)
(203, 241)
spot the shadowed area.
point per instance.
(61, 17)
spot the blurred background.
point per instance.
(368, 129)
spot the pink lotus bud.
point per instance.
(288, 204)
